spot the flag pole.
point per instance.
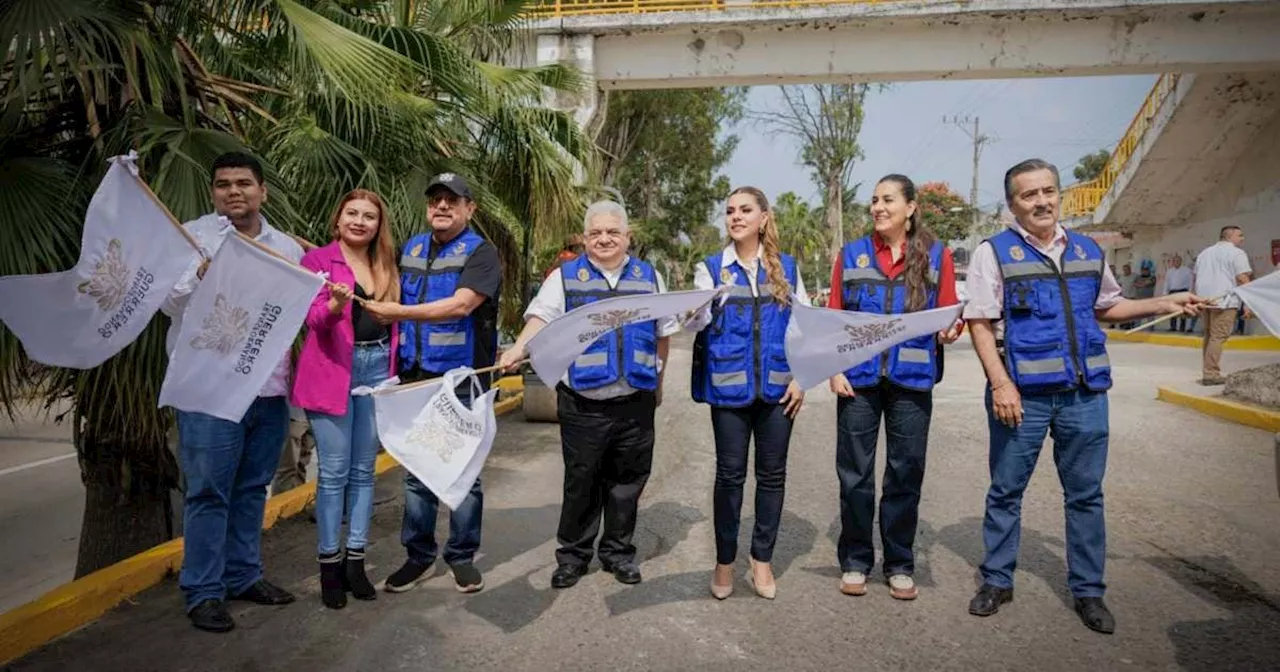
(1168, 317)
(146, 189)
(429, 381)
(289, 261)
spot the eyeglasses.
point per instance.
(596, 234)
(434, 200)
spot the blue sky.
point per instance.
(1056, 119)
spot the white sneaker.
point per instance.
(853, 583)
(902, 587)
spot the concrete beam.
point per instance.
(981, 39)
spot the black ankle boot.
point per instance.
(354, 578)
(331, 592)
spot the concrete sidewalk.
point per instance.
(1192, 513)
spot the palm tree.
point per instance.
(333, 94)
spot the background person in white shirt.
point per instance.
(1220, 268)
(1178, 278)
(606, 403)
(227, 465)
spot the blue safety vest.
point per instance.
(740, 356)
(912, 364)
(429, 272)
(1052, 340)
(629, 353)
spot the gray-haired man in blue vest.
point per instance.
(448, 316)
(1036, 295)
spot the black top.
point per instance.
(366, 328)
(481, 274)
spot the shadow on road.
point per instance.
(1248, 639)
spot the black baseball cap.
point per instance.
(453, 183)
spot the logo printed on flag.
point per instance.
(866, 335)
(110, 279)
(223, 329)
(610, 320)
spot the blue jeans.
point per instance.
(227, 466)
(348, 447)
(733, 428)
(906, 416)
(418, 531)
(1077, 421)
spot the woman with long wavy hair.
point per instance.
(346, 348)
(901, 267)
(740, 369)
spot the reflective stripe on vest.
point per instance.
(740, 357)
(866, 288)
(629, 353)
(1052, 338)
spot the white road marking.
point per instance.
(37, 463)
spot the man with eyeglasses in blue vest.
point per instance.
(1036, 295)
(448, 316)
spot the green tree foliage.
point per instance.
(334, 94)
(944, 211)
(1091, 165)
(663, 150)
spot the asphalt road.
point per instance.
(1193, 516)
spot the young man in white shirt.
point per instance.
(228, 465)
(1220, 268)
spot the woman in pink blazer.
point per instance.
(346, 348)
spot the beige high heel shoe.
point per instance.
(718, 591)
(767, 592)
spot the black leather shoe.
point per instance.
(566, 576)
(989, 599)
(1095, 615)
(263, 592)
(212, 616)
(624, 572)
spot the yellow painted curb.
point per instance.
(1233, 411)
(1265, 343)
(80, 602)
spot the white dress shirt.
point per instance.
(210, 231)
(1177, 280)
(1216, 270)
(549, 304)
(702, 280)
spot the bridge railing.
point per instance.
(1082, 199)
(559, 8)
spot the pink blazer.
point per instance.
(322, 382)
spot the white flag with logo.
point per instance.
(822, 342)
(553, 349)
(1262, 296)
(131, 255)
(434, 435)
(239, 324)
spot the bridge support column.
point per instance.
(578, 51)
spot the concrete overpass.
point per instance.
(636, 44)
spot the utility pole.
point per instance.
(979, 140)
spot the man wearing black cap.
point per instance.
(448, 318)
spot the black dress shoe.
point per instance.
(263, 592)
(212, 616)
(566, 576)
(624, 572)
(989, 599)
(1095, 615)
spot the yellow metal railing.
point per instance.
(558, 8)
(1082, 199)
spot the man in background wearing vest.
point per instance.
(1036, 295)
(449, 280)
(606, 401)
